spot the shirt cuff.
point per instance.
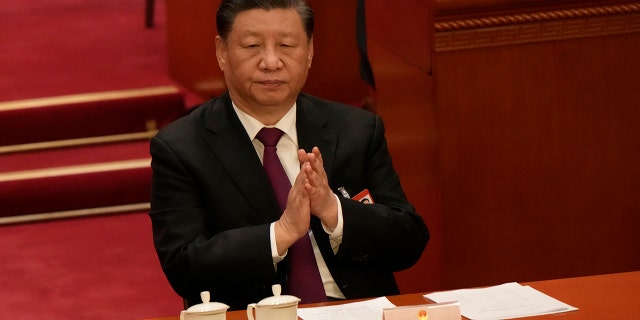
(274, 248)
(335, 235)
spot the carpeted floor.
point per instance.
(58, 47)
(98, 267)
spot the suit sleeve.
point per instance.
(388, 235)
(195, 252)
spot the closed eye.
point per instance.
(287, 47)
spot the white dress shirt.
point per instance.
(287, 150)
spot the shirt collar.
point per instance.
(287, 123)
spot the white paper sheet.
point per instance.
(363, 310)
(506, 301)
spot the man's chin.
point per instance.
(275, 100)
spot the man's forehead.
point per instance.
(257, 21)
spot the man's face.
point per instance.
(265, 59)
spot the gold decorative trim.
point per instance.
(557, 26)
(74, 170)
(86, 97)
(77, 142)
(491, 22)
(75, 213)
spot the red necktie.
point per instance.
(304, 277)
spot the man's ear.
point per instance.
(310, 58)
(221, 52)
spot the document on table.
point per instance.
(505, 301)
(363, 310)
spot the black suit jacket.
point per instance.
(212, 204)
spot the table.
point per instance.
(608, 296)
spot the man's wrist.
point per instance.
(284, 239)
(336, 221)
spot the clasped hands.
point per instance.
(309, 195)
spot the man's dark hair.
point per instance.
(229, 9)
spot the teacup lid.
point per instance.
(207, 307)
(277, 299)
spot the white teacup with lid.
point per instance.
(205, 310)
(278, 307)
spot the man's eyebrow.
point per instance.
(257, 33)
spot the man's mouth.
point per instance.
(271, 82)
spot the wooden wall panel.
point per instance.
(399, 50)
(191, 31)
(404, 104)
(538, 149)
(403, 29)
(335, 73)
(513, 125)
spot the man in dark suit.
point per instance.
(216, 222)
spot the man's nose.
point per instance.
(271, 60)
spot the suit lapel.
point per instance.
(230, 144)
(313, 131)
